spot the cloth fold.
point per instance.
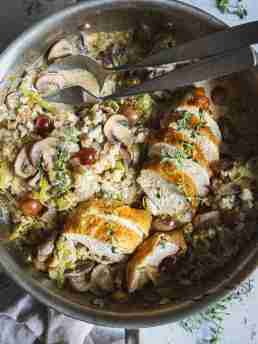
(24, 320)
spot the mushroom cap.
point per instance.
(163, 225)
(102, 278)
(50, 83)
(61, 48)
(117, 129)
(22, 166)
(32, 182)
(85, 268)
(45, 148)
(12, 100)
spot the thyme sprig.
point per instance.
(238, 9)
(62, 176)
(215, 314)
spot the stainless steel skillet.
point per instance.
(111, 15)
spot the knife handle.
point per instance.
(213, 44)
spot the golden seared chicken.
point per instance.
(109, 230)
(144, 265)
(178, 174)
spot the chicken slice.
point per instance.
(210, 126)
(163, 197)
(209, 149)
(163, 149)
(170, 153)
(108, 229)
(144, 265)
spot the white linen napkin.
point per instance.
(23, 320)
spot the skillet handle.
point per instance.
(132, 336)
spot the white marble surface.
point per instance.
(240, 325)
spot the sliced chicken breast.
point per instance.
(198, 174)
(163, 197)
(163, 149)
(144, 265)
(200, 114)
(196, 171)
(99, 251)
(137, 220)
(209, 149)
(106, 235)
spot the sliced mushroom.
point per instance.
(80, 283)
(33, 182)
(228, 189)
(61, 48)
(102, 279)
(45, 149)
(78, 278)
(125, 155)
(163, 225)
(45, 250)
(135, 153)
(130, 113)
(12, 100)
(50, 217)
(130, 154)
(50, 83)
(117, 129)
(207, 219)
(83, 269)
(22, 166)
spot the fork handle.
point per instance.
(210, 45)
(210, 68)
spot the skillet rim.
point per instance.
(165, 314)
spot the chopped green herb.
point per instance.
(202, 122)
(144, 104)
(35, 98)
(180, 154)
(184, 122)
(110, 231)
(113, 249)
(71, 134)
(162, 244)
(215, 314)
(124, 123)
(25, 227)
(158, 195)
(144, 203)
(194, 134)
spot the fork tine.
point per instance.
(81, 62)
(72, 95)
